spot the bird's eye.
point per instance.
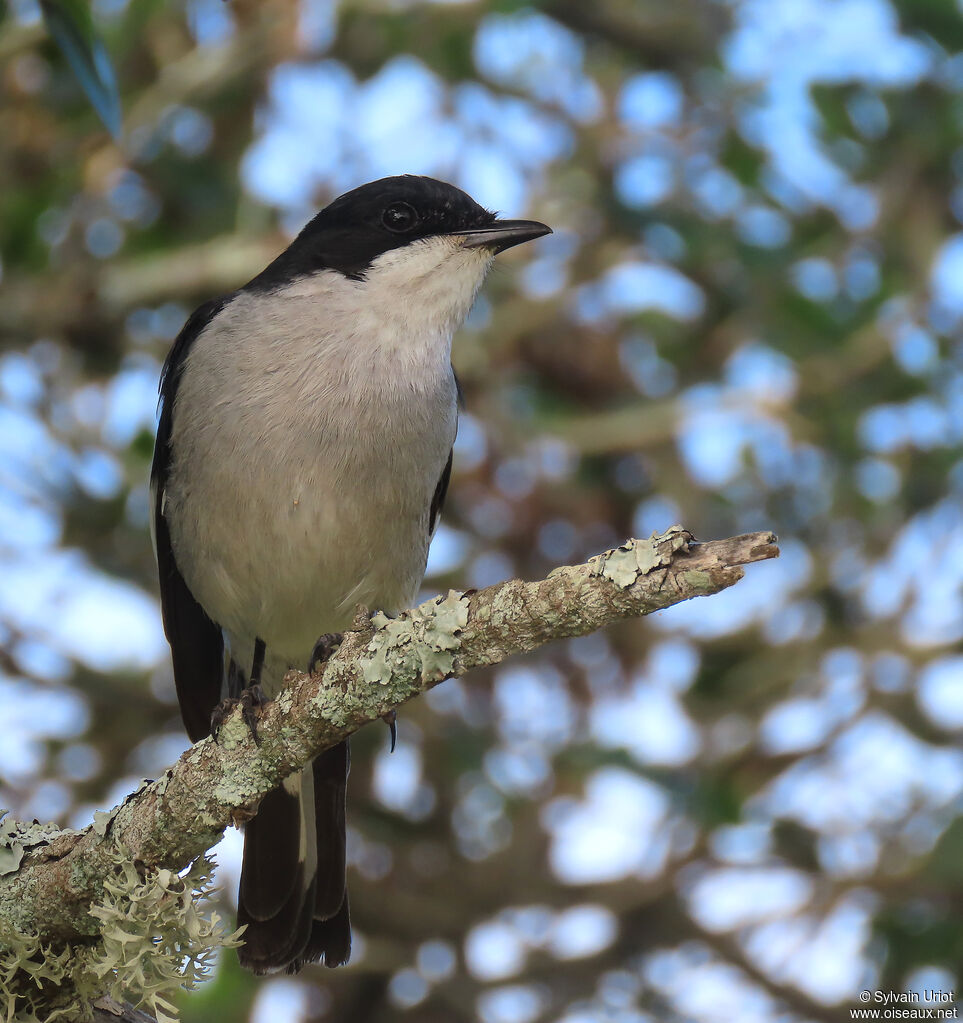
(400, 217)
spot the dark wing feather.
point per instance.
(438, 499)
(197, 646)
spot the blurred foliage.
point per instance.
(71, 27)
(748, 318)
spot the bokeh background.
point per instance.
(746, 808)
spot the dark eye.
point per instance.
(399, 217)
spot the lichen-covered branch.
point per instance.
(49, 879)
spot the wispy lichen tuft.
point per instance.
(154, 941)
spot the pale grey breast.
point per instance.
(305, 460)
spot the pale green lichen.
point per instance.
(154, 938)
(17, 836)
(154, 941)
(29, 833)
(700, 581)
(421, 642)
(160, 786)
(234, 732)
(624, 565)
(37, 983)
(102, 819)
(233, 788)
(10, 857)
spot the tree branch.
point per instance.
(674, 36)
(381, 664)
(106, 1010)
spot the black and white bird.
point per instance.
(302, 458)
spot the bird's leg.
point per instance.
(258, 664)
(236, 680)
(250, 697)
(252, 700)
(324, 647)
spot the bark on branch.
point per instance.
(381, 664)
(106, 1010)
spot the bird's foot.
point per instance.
(325, 646)
(391, 720)
(251, 701)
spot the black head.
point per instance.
(350, 233)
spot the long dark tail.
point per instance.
(293, 896)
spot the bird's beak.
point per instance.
(503, 234)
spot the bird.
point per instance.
(303, 454)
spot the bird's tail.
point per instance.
(293, 896)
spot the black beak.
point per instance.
(503, 234)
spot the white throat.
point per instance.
(410, 297)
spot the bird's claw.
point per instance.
(324, 647)
(251, 701)
(391, 720)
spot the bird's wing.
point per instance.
(438, 499)
(441, 490)
(197, 646)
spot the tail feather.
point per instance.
(272, 869)
(272, 945)
(330, 782)
(330, 940)
(292, 895)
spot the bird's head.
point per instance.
(403, 239)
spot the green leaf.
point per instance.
(72, 29)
